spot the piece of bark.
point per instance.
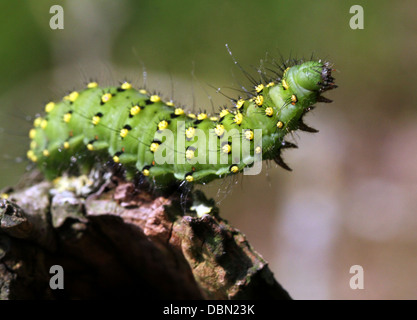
(114, 240)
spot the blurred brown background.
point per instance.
(351, 199)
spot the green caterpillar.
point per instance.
(147, 136)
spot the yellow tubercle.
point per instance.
(126, 86)
(269, 111)
(189, 154)
(240, 103)
(238, 118)
(189, 132)
(219, 130)
(49, 107)
(227, 148)
(259, 100)
(31, 156)
(37, 122)
(249, 135)
(32, 133)
(95, 120)
(178, 111)
(67, 117)
(294, 99)
(163, 125)
(155, 98)
(223, 113)
(73, 96)
(234, 169)
(92, 85)
(134, 110)
(106, 97)
(154, 146)
(259, 88)
(124, 132)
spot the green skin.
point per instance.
(304, 81)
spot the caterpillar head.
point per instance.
(311, 76)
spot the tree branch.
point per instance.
(115, 241)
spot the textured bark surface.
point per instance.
(115, 241)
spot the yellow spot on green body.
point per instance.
(238, 118)
(92, 85)
(44, 123)
(134, 110)
(106, 97)
(219, 130)
(226, 148)
(124, 132)
(67, 117)
(269, 111)
(32, 133)
(234, 169)
(249, 135)
(155, 98)
(240, 103)
(189, 132)
(189, 154)
(163, 125)
(178, 111)
(259, 100)
(49, 107)
(223, 113)
(95, 120)
(126, 86)
(73, 96)
(259, 88)
(154, 146)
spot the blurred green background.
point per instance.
(351, 198)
